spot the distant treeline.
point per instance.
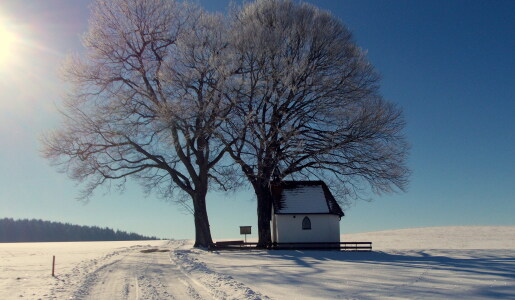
(45, 231)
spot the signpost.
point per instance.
(245, 230)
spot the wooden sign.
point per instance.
(245, 229)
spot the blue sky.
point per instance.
(449, 64)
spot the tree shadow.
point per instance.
(366, 275)
(480, 262)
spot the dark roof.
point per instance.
(304, 197)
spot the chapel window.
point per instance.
(306, 224)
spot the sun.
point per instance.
(8, 45)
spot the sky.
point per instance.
(450, 65)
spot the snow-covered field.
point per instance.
(419, 263)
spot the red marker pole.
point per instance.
(53, 266)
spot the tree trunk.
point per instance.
(202, 230)
(264, 212)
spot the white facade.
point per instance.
(287, 228)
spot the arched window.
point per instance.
(306, 224)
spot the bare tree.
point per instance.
(146, 103)
(308, 106)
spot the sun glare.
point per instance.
(8, 42)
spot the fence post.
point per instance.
(53, 266)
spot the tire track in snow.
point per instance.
(136, 275)
(220, 286)
(130, 274)
(75, 283)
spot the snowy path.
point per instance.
(137, 275)
(170, 273)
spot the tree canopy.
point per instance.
(165, 90)
(145, 103)
(308, 106)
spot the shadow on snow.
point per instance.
(426, 273)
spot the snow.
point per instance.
(449, 237)
(422, 263)
(25, 268)
(304, 199)
(419, 263)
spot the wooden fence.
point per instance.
(340, 246)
